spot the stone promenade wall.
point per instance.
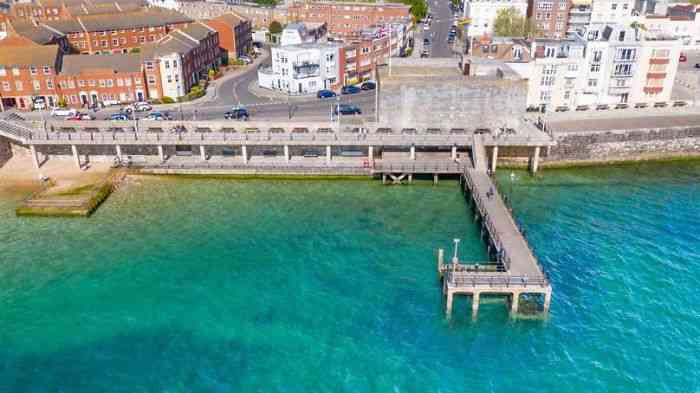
(624, 145)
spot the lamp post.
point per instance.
(455, 258)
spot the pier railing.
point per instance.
(466, 279)
(258, 168)
(419, 167)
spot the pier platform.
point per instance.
(514, 270)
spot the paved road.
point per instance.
(442, 21)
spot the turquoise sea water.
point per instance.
(295, 286)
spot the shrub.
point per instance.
(136, 50)
(211, 74)
(156, 101)
(168, 100)
(61, 102)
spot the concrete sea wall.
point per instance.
(628, 145)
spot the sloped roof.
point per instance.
(230, 18)
(74, 64)
(178, 41)
(197, 30)
(38, 55)
(120, 20)
(39, 34)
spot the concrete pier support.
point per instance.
(286, 152)
(244, 150)
(547, 301)
(413, 152)
(436, 178)
(494, 158)
(383, 178)
(202, 152)
(370, 153)
(35, 156)
(475, 303)
(328, 153)
(448, 304)
(535, 159)
(514, 302)
(76, 157)
(454, 152)
(161, 155)
(410, 178)
(119, 152)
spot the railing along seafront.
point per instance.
(418, 167)
(331, 169)
(141, 137)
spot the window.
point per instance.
(109, 83)
(47, 70)
(573, 67)
(549, 52)
(6, 86)
(549, 69)
(120, 82)
(621, 37)
(620, 82)
(660, 53)
(567, 94)
(657, 67)
(32, 70)
(18, 85)
(170, 79)
(613, 6)
(37, 85)
(595, 67)
(518, 53)
(174, 63)
(623, 69)
(167, 64)
(624, 6)
(127, 82)
(142, 39)
(115, 42)
(626, 54)
(151, 80)
(149, 65)
(562, 4)
(547, 80)
(49, 84)
(592, 82)
(3, 72)
(81, 83)
(93, 83)
(104, 43)
(545, 96)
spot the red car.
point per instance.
(683, 58)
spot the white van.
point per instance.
(63, 112)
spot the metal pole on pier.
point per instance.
(455, 259)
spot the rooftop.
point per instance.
(75, 64)
(37, 55)
(120, 21)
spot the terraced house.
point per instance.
(168, 67)
(121, 32)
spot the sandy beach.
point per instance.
(19, 177)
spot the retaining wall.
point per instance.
(625, 145)
(5, 151)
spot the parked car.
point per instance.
(621, 106)
(683, 57)
(237, 113)
(697, 65)
(602, 107)
(679, 103)
(326, 94)
(119, 116)
(80, 116)
(561, 109)
(641, 105)
(347, 109)
(660, 105)
(64, 112)
(368, 85)
(350, 89)
(137, 107)
(582, 108)
(158, 116)
(245, 59)
(425, 53)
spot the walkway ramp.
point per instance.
(479, 153)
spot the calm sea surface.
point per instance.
(180, 285)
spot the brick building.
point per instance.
(167, 67)
(235, 34)
(109, 33)
(345, 18)
(551, 17)
(180, 60)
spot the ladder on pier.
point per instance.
(479, 153)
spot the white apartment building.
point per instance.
(610, 64)
(302, 33)
(483, 14)
(612, 11)
(303, 69)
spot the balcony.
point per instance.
(622, 74)
(306, 70)
(656, 75)
(614, 90)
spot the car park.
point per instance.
(237, 113)
(350, 89)
(325, 94)
(347, 109)
(368, 85)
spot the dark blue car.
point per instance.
(350, 90)
(325, 94)
(347, 109)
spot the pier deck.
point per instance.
(516, 270)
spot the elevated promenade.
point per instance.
(515, 270)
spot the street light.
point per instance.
(455, 259)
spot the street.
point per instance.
(442, 21)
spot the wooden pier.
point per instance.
(514, 270)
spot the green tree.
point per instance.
(275, 27)
(419, 8)
(694, 2)
(510, 23)
(266, 2)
